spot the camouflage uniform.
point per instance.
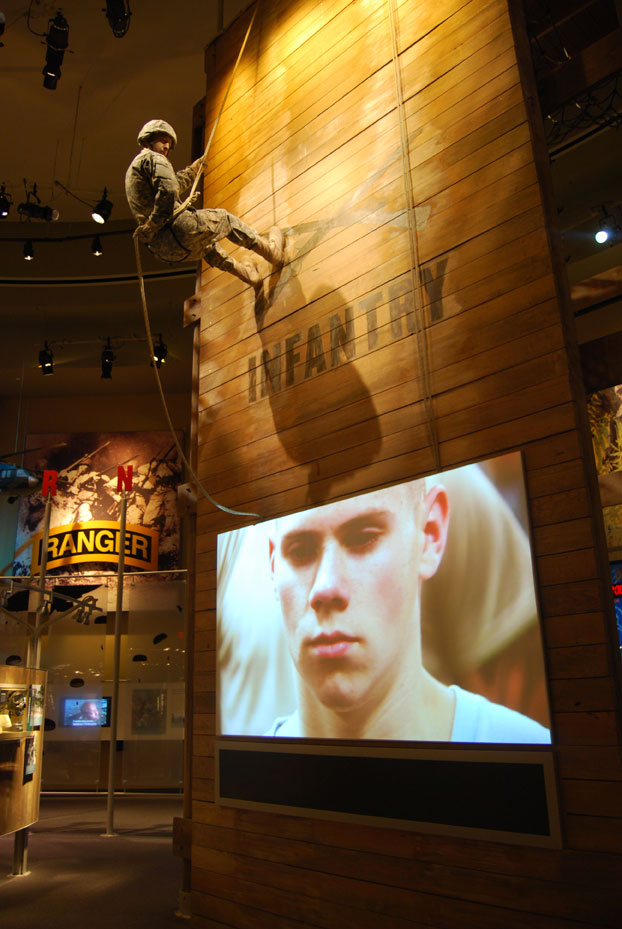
(154, 191)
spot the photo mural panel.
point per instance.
(86, 506)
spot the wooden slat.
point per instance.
(469, 885)
(490, 857)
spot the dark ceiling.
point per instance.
(80, 138)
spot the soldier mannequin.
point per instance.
(154, 192)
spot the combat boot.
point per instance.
(271, 248)
(246, 271)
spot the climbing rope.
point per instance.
(141, 284)
(415, 268)
(191, 196)
(190, 469)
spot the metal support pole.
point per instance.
(114, 714)
(20, 852)
(33, 660)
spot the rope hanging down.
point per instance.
(415, 268)
(195, 183)
(197, 482)
(141, 284)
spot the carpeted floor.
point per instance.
(80, 878)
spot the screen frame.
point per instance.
(528, 564)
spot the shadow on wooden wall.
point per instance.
(343, 381)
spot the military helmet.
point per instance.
(153, 127)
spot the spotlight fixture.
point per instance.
(6, 201)
(607, 227)
(57, 40)
(29, 252)
(160, 351)
(36, 211)
(103, 209)
(96, 246)
(118, 14)
(46, 360)
(107, 361)
(33, 209)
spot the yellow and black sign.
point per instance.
(97, 541)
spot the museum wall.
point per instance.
(397, 343)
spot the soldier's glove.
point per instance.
(196, 165)
(146, 232)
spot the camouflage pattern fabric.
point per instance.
(154, 191)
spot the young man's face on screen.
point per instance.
(348, 579)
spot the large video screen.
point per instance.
(406, 613)
(80, 712)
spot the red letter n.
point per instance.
(124, 481)
(49, 483)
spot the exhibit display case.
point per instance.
(22, 700)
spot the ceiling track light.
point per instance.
(108, 360)
(118, 14)
(57, 40)
(103, 209)
(6, 201)
(160, 351)
(96, 246)
(29, 252)
(32, 208)
(46, 360)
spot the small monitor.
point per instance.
(86, 712)
(616, 589)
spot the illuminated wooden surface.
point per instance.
(310, 139)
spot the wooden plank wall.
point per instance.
(310, 139)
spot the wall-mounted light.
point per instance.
(103, 209)
(29, 252)
(608, 227)
(160, 351)
(107, 361)
(57, 40)
(96, 246)
(46, 360)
